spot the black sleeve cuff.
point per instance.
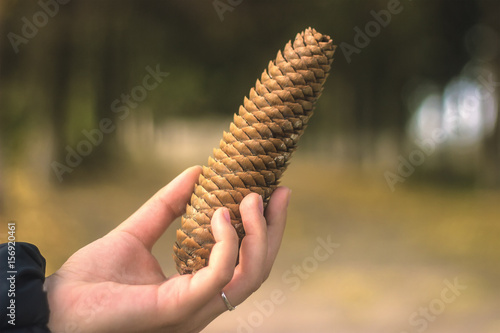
(23, 302)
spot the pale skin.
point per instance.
(115, 284)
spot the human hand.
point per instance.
(115, 284)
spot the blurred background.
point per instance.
(104, 102)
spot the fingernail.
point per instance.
(261, 205)
(288, 197)
(225, 214)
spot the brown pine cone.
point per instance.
(254, 153)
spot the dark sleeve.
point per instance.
(23, 301)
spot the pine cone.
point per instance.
(255, 152)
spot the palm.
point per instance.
(95, 283)
(121, 258)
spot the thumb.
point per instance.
(150, 221)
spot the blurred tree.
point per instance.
(89, 53)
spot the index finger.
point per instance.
(257, 255)
(250, 273)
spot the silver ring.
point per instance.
(226, 301)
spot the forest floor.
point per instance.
(421, 258)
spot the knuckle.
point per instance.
(256, 284)
(225, 275)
